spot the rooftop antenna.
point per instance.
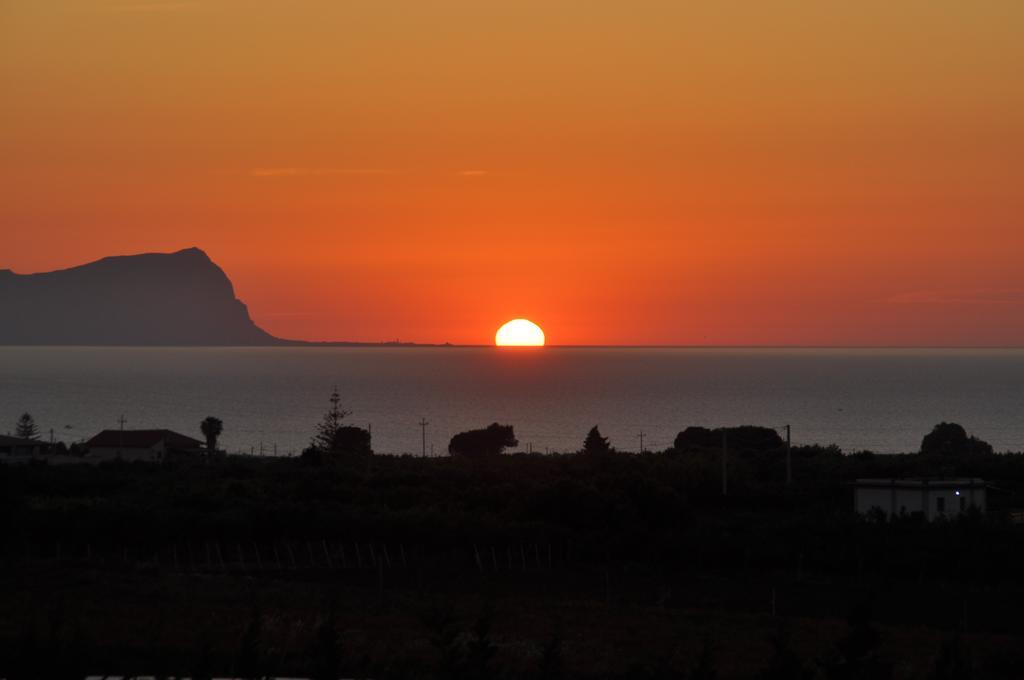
(641, 435)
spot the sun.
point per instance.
(519, 333)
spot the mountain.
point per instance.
(180, 298)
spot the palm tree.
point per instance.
(211, 427)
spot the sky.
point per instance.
(784, 172)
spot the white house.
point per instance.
(934, 498)
(148, 445)
(11, 447)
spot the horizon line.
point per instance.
(412, 345)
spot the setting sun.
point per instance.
(519, 333)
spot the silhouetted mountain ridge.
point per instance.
(180, 298)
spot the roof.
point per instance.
(17, 441)
(921, 482)
(143, 439)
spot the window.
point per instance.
(940, 505)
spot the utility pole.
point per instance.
(725, 462)
(641, 435)
(789, 457)
(423, 434)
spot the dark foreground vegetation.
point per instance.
(590, 565)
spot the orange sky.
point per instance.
(721, 172)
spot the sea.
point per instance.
(413, 399)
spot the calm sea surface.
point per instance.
(883, 400)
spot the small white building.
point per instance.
(934, 498)
(145, 445)
(15, 447)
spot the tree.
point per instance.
(350, 440)
(595, 444)
(327, 431)
(490, 441)
(26, 427)
(951, 439)
(695, 438)
(744, 438)
(212, 429)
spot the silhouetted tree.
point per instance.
(490, 441)
(696, 437)
(26, 427)
(950, 439)
(327, 431)
(211, 428)
(753, 439)
(745, 439)
(351, 440)
(595, 444)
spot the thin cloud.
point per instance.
(315, 172)
(978, 296)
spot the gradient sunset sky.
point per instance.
(644, 172)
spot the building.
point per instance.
(14, 446)
(146, 445)
(934, 498)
